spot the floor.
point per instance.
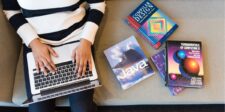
(157, 108)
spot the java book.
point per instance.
(184, 64)
(128, 62)
(151, 23)
(159, 60)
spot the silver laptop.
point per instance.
(64, 82)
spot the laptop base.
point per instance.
(62, 91)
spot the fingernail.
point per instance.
(76, 70)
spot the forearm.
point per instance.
(13, 13)
(95, 15)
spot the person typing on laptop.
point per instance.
(45, 23)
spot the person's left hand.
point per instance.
(82, 56)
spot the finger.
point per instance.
(43, 68)
(84, 68)
(47, 65)
(81, 65)
(90, 64)
(52, 51)
(37, 67)
(52, 64)
(77, 63)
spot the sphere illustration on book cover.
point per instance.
(173, 76)
(179, 56)
(191, 66)
(184, 64)
(188, 66)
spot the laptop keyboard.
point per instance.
(65, 73)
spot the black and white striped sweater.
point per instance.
(54, 21)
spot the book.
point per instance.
(151, 23)
(128, 62)
(184, 64)
(159, 60)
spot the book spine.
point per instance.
(133, 23)
(157, 45)
(167, 76)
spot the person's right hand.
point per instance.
(42, 56)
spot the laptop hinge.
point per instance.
(66, 87)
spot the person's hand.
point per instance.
(82, 56)
(42, 56)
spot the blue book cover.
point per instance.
(159, 59)
(128, 62)
(151, 23)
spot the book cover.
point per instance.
(184, 64)
(151, 23)
(128, 62)
(159, 60)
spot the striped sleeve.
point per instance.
(96, 12)
(13, 13)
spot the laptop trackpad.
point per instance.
(63, 88)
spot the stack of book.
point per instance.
(180, 64)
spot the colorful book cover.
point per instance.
(184, 64)
(159, 61)
(151, 23)
(128, 62)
